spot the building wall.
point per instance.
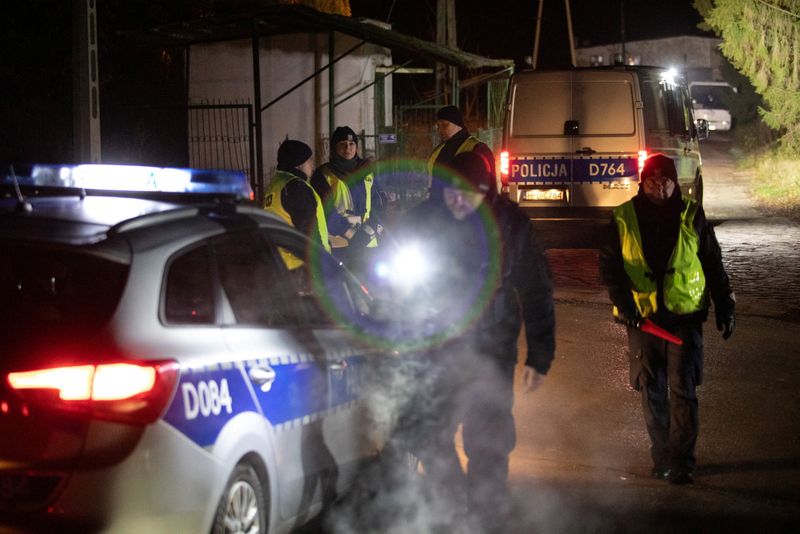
(222, 73)
(698, 57)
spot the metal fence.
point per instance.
(220, 137)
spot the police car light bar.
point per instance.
(135, 178)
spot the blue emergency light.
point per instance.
(133, 178)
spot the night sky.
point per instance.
(506, 28)
(138, 86)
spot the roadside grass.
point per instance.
(777, 183)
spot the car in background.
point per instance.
(575, 140)
(174, 359)
(711, 101)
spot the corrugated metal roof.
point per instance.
(284, 19)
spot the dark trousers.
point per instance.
(476, 391)
(489, 437)
(667, 376)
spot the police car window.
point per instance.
(252, 282)
(327, 292)
(54, 290)
(679, 114)
(540, 108)
(613, 117)
(189, 295)
(654, 100)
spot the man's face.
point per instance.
(307, 167)
(658, 188)
(446, 129)
(462, 203)
(346, 149)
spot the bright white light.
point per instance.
(669, 76)
(382, 269)
(410, 266)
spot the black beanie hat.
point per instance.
(452, 114)
(472, 168)
(343, 133)
(660, 161)
(293, 153)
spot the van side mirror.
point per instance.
(572, 128)
(701, 125)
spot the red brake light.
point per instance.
(504, 166)
(130, 392)
(642, 156)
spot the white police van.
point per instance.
(162, 368)
(574, 141)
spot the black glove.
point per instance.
(726, 320)
(629, 316)
(362, 237)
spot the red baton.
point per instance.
(650, 327)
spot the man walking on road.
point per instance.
(488, 275)
(661, 261)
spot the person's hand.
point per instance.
(531, 379)
(726, 320)
(629, 316)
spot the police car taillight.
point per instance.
(504, 166)
(130, 392)
(642, 157)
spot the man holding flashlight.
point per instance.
(487, 275)
(660, 263)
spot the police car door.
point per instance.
(334, 304)
(264, 331)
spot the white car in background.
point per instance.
(710, 101)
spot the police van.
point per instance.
(163, 368)
(575, 141)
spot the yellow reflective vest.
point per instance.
(273, 203)
(684, 283)
(468, 144)
(343, 200)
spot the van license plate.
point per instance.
(544, 194)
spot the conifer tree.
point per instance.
(761, 38)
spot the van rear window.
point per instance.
(600, 107)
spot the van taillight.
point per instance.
(504, 166)
(129, 392)
(642, 157)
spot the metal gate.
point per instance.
(221, 137)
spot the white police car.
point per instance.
(173, 360)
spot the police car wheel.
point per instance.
(242, 508)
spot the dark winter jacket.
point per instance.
(490, 275)
(659, 227)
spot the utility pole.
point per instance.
(85, 83)
(537, 35)
(446, 36)
(441, 39)
(571, 38)
(622, 30)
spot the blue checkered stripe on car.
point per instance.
(303, 391)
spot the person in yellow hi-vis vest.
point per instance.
(290, 196)
(351, 197)
(456, 139)
(660, 263)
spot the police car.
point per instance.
(174, 359)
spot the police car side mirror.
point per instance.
(701, 126)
